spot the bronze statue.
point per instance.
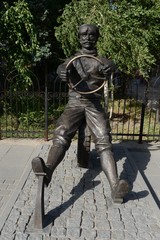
(86, 76)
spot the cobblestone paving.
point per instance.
(78, 205)
(6, 189)
(14, 156)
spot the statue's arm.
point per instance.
(62, 71)
(108, 67)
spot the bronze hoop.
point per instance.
(73, 86)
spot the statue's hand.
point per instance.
(63, 75)
(105, 70)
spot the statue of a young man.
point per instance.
(88, 73)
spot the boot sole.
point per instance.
(38, 166)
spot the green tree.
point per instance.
(40, 12)
(18, 37)
(45, 19)
(27, 35)
(130, 31)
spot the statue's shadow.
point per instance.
(86, 183)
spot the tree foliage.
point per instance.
(18, 37)
(130, 31)
(45, 19)
(40, 12)
(27, 34)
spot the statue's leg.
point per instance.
(119, 189)
(96, 121)
(55, 156)
(67, 125)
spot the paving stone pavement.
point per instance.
(15, 157)
(78, 203)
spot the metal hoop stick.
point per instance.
(73, 86)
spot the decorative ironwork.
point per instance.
(134, 115)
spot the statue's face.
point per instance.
(88, 37)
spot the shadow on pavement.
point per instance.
(132, 165)
(141, 157)
(129, 172)
(86, 183)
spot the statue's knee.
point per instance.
(103, 147)
(61, 141)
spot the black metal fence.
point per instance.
(33, 112)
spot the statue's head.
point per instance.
(88, 35)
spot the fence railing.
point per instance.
(32, 113)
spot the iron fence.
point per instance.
(32, 113)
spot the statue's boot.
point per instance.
(119, 189)
(55, 156)
(40, 169)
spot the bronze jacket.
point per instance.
(85, 75)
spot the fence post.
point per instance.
(141, 123)
(46, 104)
(144, 104)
